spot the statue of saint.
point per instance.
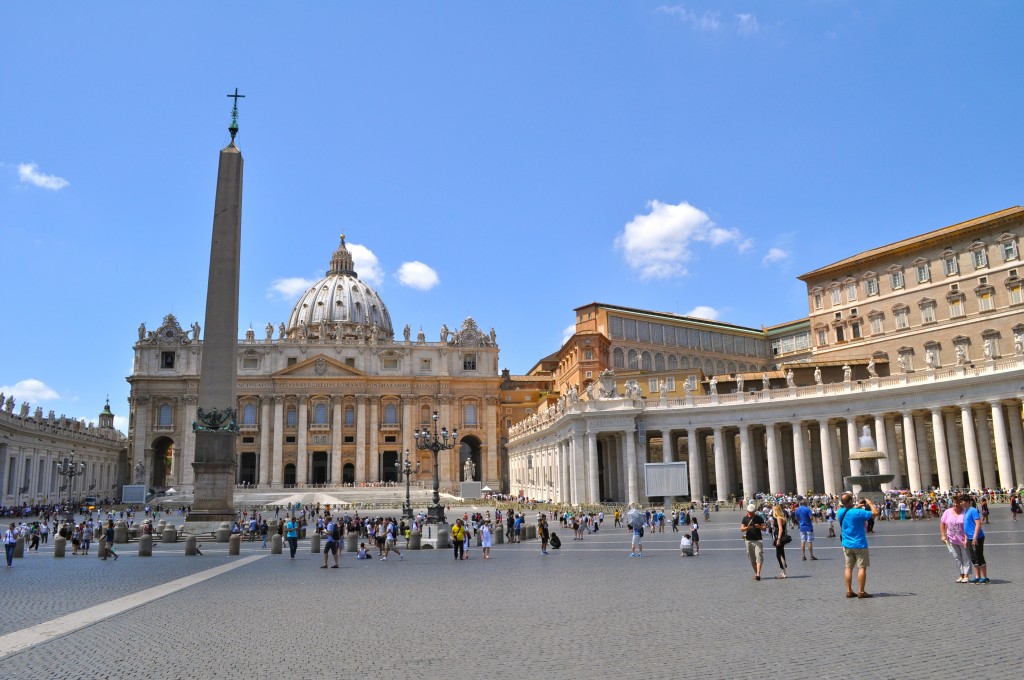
(663, 389)
(931, 359)
(407, 332)
(817, 375)
(766, 383)
(469, 470)
(902, 361)
(739, 382)
(9, 404)
(142, 331)
(1018, 343)
(989, 349)
(444, 334)
(871, 368)
(270, 331)
(847, 373)
(280, 331)
(195, 331)
(140, 473)
(493, 336)
(713, 385)
(789, 379)
(961, 355)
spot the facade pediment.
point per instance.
(319, 366)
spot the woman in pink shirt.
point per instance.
(951, 529)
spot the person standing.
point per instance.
(805, 517)
(951, 530)
(637, 544)
(542, 532)
(264, 529)
(458, 538)
(292, 534)
(781, 538)
(695, 536)
(975, 542)
(752, 526)
(333, 540)
(853, 525)
(485, 539)
(10, 540)
(510, 521)
(1014, 507)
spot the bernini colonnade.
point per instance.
(946, 428)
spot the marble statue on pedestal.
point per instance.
(739, 382)
(790, 382)
(871, 368)
(817, 375)
(961, 355)
(713, 385)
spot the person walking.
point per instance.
(975, 542)
(333, 540)
(10, 540)
(695, 536)
(752, 525)
(805, 518)
(292, 534)
(544, 534)
(951, 531)
(485, 539)
(458, 540)
(510, 522)
(853, 525)
(781, 538)
(1014, 507)
(110, 540)
(389, 541)
(264, 530)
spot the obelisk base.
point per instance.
(214, 494)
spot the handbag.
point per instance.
(786, 539)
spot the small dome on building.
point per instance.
(340, 305)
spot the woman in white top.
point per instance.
(485, 539)
(10, 540)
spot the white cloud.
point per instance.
(121, 423)
(658, 244)
(30, 390)
(774, 255)
(366, 264)
(708, 21)
(568, 332)
(417, 275)
(746, 24)
(704, 312)
(289, 289)
(29, 173)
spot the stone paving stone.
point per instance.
(585, 611)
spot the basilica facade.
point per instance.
(332, 397)
(919, 343)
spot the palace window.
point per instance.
(902, 317)
(634, 360)
(645, 361)
(985, 301)
(469, 362)
(822, 337)
(670, 382)
(618, 358)
(840, 334)
(896, 279)
(854, 330)
(956, 307)
(588, 354)
(1009, 250)
(652, 385)
(876, 325)
(980, 257)
(659, 362)
(1016, 294)
(924, 273)
(928, 314)
(871, 287)
(950, 265)
(818, 301)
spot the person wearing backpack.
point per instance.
(333, 540)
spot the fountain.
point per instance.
(870, 480)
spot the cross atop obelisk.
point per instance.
(233, 128)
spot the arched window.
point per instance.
(292, 417)
(634, 360)
(320, 414)
(659, 362)
(350, 416)
(672, 365)
(424, 416)
(249, 414)
(618, 358)
(469, 417)
(166, 415)
(645, 361)
(390, 414)
(684, 362)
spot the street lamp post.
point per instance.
(427, 441)
(67, 468)
(405, 468)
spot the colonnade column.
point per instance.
(776, 482)
(881, 444)
(941, 453)
(564, 485)
(988, 461)
(853, 443)
(971, 448)
(801, 458)
(894, 455)
(722, 480)
(141, 435)
(1017, 440)
(301, 473)
(265, 453)
(578, 467)
(746, 463)
(827, 466)
(956, 468)
(277, 457)
(692, 454)
(593, 487)
(1002, 446)
(632, 488)
(922, 451)
(910, 450)
(490, 446)
(336, 437)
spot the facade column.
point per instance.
(693, 453)
(141, 434)
(971, 447)
(722, 481)
(1017, 440)
(301, 459)
(853, 444)
(361, 439)
(910, 451)
(827, 461)
(988, 461)
(336, 438)
(277, 457)
(881, 444)
(1002, 446)
(801, 458)
(956, 467)
(491, 445)
(632, 484)
(578, 467)
(265, 454)
(374, 471)
(894, 453)
(941, 454)
(776, 481)
(746, 463)
(188, 473)
(593, 487)
(922, 451)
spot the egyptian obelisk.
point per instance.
(216, 427)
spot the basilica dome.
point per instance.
(340, 306)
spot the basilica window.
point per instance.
(390, 364)
(350, 416)
(292, 417)
(249, 414)
(469, 362)
(166, 359)
(390, 414)
(424, 365)
(469, 415)
(165, 415)
(320, 414)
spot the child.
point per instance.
(685, 545)
(362, 554)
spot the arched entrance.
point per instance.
(469, 449)
(388, 471)
(163, 458)
(289, 474)
(348, 474)
(319, 467)
(247, 468)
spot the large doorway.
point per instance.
(388, 471)
(247, 468)
(163, 457)
(289, 474)
(469, 450)
(320, 467)
(348, 474)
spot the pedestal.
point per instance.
(215, 490)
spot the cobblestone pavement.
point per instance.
(585, 611)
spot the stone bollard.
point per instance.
(134, 531)
(352, 542)
(97, 532)
(59, 546)
(314, 543)
(145, 545)
(414, 540)
(498, 535)
(120, 533)
(190, 546)
(19, 546)
(234, 544)
(170, 534)
(159, 529)
(444, 533)
(223, 532)
(275, 544)
(479, 538)
(102, 552)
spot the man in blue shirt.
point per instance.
(803, 515)
(975, 540)
(853, 525)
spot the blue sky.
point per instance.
(505, 161)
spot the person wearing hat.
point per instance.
(752, 527)
(333, 540)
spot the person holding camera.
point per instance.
(853, 525)
(753, 526)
